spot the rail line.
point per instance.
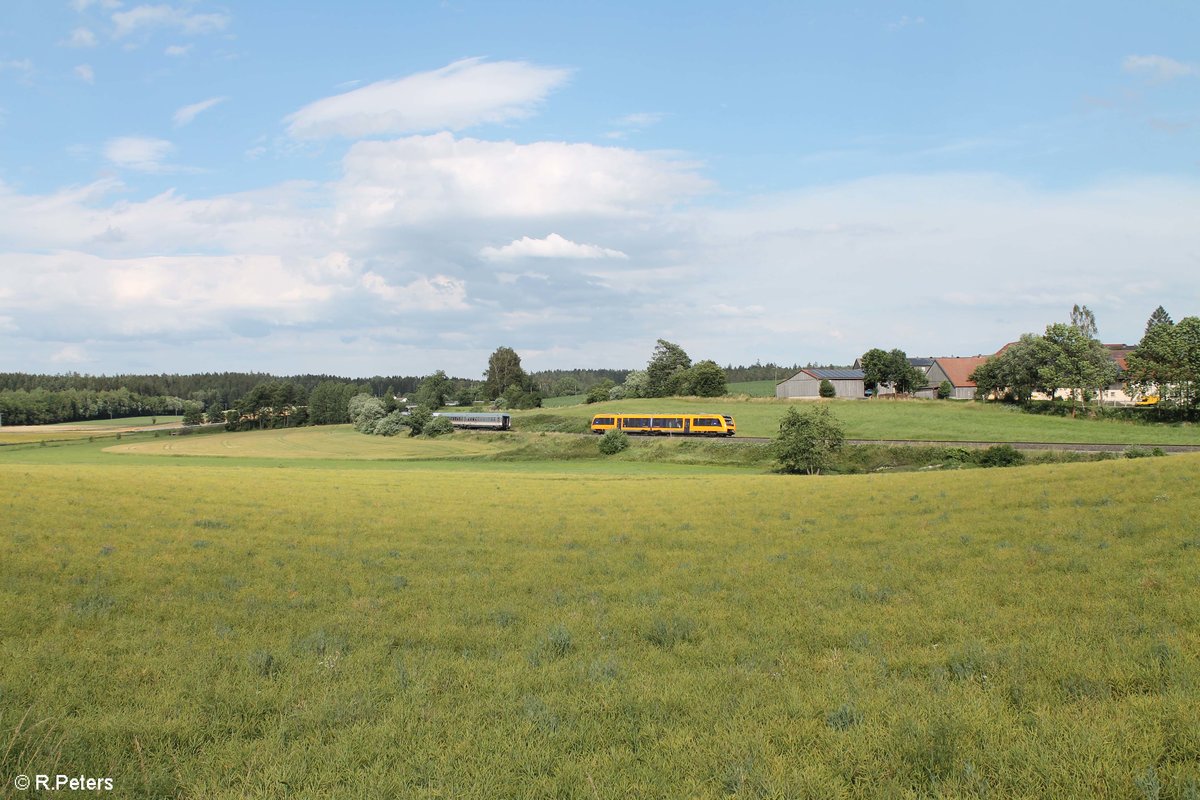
(1067, 446)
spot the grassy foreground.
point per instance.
(234, 631)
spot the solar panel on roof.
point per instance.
(838, 374)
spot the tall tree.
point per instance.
(1084, 321)
(434, 389)
(884, 368)
(1077, 362)
(1158, 317)
(1017, 371)
(661, 372)
(504, 370)
(876, 365)
(707, 379)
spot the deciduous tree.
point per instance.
(662, 372)
(808, 440)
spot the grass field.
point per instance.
(164, 420)
(754, 388)
(334, 442)
(242, 627)
(929, 420)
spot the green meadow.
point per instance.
(335, 615)
(928, 420)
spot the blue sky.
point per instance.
(384, 187)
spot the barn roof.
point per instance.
(957, 369)
(824, 373)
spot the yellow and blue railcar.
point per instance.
(666, 424)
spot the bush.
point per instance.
(945, 390)
(613, 442)
(1142, 452)
(417, 419)
(808, 440)
(599, 392)
(390, 425)
(826, 389)
(438, 426)
(1000, 455)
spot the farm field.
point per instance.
(208, 627)
(755, 388)
(324, 442)
(930, 420)
(67, 431)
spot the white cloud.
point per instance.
(1159, 68)
(385, 261)
(81, 37)
(185, 115)
(177, 50)
(428, 177)
(460, 95)
(434, 293)
(165, 16)
(84, 5)
(22, 68)
(635, 123)
(85, 73)
(553, 246)
(905, 22)
(71, 354)
(139, 153)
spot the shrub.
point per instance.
(1143, 452)
(417, 419)
(390, 425)
(613, 442)
(599, 392)
(808, 441)
(438, 426)
(826, 389)
(1000, 455)
(945, 390)
(365, 411)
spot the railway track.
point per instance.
(1067, 446)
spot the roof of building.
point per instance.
(1119, 353)
(823, 373)
(958, 369)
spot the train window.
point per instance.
(602, 421)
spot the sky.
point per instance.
(363, 188)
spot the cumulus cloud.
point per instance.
(553, 246)
(1159, 68)
(140, 153)
(460, 95)
(185, 115)
(85, 73)
(146, 17)
(433, 293)
(438, 176)
(385, 261)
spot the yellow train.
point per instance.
(666, 424)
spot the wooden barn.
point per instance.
(807, 383)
